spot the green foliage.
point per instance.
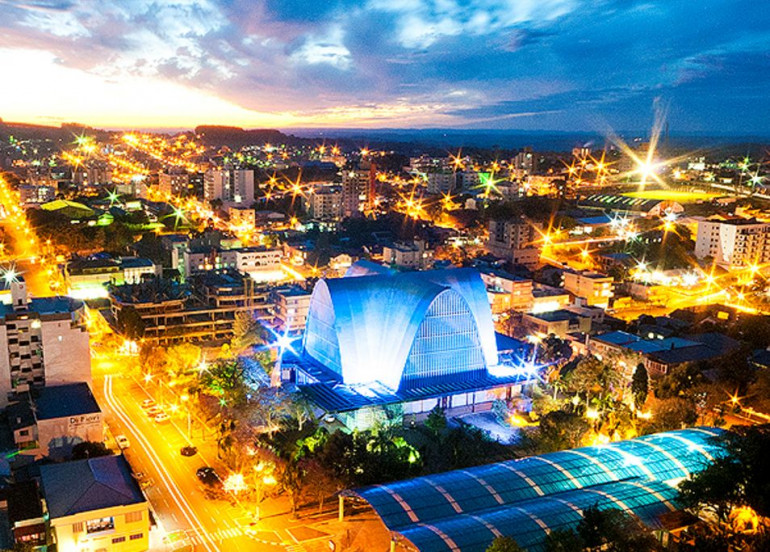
(90, 449)
(603, 529)
(678, 381)
(554, 350)
(559, 430)
(670, 414)
(129, 323)
(225, 380)
(640, 385)
(436, 420)
(504, 544)
(739, 478)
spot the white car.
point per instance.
(122, 442)
(148, 403)
(162, 417)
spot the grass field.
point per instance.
(674, 195)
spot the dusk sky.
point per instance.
(505, 64)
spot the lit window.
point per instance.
(101, 524)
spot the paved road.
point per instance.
(175, 492)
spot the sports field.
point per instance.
(674, 195)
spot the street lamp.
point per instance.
(263, 476)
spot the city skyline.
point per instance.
(550, 65)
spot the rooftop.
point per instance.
(88, 485)
(46, 305)
(59, 401)
(527, 498)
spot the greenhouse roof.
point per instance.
(527, 498)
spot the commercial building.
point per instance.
(51, 420)
(230, 186)
(733, 241)
(204, 311)
(528, 498)
(516, 240)
(413, 254)
(291, 306)
(560, 323)
(43, 341)
(628, 204)
(591, 288)
(244, 259)
(88, 278)
(95, 505)
(417, 339)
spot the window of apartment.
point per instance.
(137, 536)
(133, 517)
(101, 524)
(117, 540)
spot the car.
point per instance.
(122, 442)
(208, 476)
(148, 403)
(189, 450)
(154, 411)
(162, 417)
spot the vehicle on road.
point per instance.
(154, 411)
(122, 442)
(208, 476)
(189, 450)
(148, 403)
(161, 418)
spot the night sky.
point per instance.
(503, 64)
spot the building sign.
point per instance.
(84, 419)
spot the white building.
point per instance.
(593, 288)
(408, 255)
(51, 420)
(441, 182)
(291, 308)
(325, 203)
(173, 183)
(245, 259)
(516, 240)
(231, 186)
(733, 241)
(355, 191)
(42, 342)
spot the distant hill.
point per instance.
(236, 137)
(63, 133)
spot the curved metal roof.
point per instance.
(375, 318)
(525, 499)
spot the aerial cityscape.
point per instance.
(418, 275)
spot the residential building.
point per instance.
(51, 420)
(733, 241)
(230, 186)
(441, 182)
(591, 288)
(245, 259)
(413, 254)
(356, 187)
(548, 298)
(88, 278)
(95, 505)
(559, 322)
(175, 183)
(43, 341)
(241, 217)
(325, 203)
(291, 308)
(516, 240)
(25, 515)
(525, 161)
(36, 194)
(507, 292)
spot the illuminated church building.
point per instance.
(384, 344)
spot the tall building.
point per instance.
(413, 254)
(173, 183)
(291, 308)
(733, 241)
(593, 288)
(441, 182)
(355, 191)
(525, 161)
(231, 186)
(43, 341)
(515, 240)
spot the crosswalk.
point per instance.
(195, 537)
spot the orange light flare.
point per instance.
(456, 161)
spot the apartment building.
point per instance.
(516, 240)
(230, 186)
(594, 289)
(733, 241)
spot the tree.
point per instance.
(225, 379)
(640, 385)
(90, 449)
(563, 540)
(436, 420)
(247, 332)
(129, 323)
(319, 481)
(560, 430)
(614, 530)
(554, 350)
(504, 544)
(737, 478)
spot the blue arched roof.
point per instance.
(375, 319)
(525, 499)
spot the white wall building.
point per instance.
(733, 241)
(42, 342)
(231, 186)
(594, 288)
(291, 308)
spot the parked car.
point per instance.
(189, 450)
(122, 442)
(154, 411)
(208, 476)
(148, 403)
(162, 417)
